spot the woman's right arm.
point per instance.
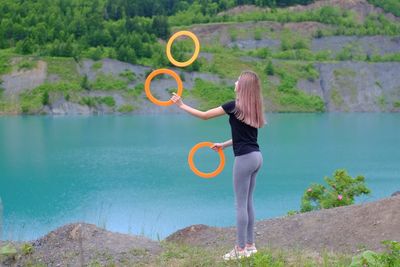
(205, 115)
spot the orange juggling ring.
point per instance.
(196, 48)
(154, 74)
(203, 174)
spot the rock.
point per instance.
(356, 86)
(397, 193)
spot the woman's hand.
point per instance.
(177, 99)
(217, 146)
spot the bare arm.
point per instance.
(227, 143)
(223, 145)
(205, 115)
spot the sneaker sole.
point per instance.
(238, 257)
(252, 252)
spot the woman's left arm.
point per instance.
(205, 115)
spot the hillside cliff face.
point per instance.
(357, 86)
(343, 86)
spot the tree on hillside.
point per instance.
(161, 27)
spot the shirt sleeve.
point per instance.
(228, 107)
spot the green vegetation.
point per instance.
(212, 95)
(183, 255)
(126, 108)
(108, 100)
(344, 21)
(183, 51)
(341, 192)
(224, 57)
(61, 33)
(300, 101)
(288, 95)
(8, 251)
(88, 101)
(32, 101)
(347, 53)
(258, 34)
(388, 258)
(135, 92)
(5, 56)
(337, 97)
(97, 65)
(129, 75)
(175, 254)
(396, 104)
(290, 40)
(97, 100)
(390, 57)
(128, 30)
(26, 64)
(269, 69)
(285, 96)
(27, 249)
(85, 83)
(76, 28)
(382, 102)
(108, 82)
(392, 6)
(233, 33)
(64, 68)
(45, 98)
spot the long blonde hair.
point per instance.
(249, 106)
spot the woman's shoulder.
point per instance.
(228, 106)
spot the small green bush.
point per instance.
(27, 249)
(8, 251)
(233, 34)
(389, 258)
(341, 192)
(4, 61)
(135, 92)
(45, 98)
(26, 64)
(264, 52)
(108, 100)
(85, 83)
(257, 34)
(129, 75)
(126, 108)
(97, 65)
(269, 69)
(88, 101)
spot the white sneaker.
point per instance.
(236, 254)
(251, 249)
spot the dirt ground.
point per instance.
(345, 229)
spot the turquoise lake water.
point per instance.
(130, 173)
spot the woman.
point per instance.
(246, 115)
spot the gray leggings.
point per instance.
(245, 169)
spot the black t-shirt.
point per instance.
(244, 136)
